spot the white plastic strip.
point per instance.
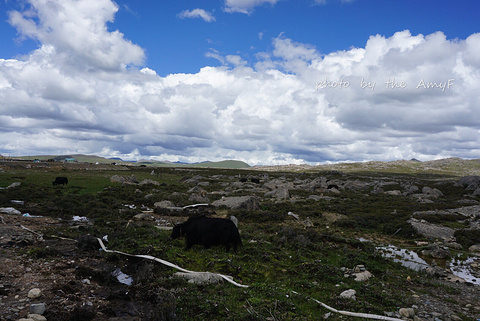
(149, 257)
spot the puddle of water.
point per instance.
(122, 277)
(412, 260)
(464, 270)
(409, 259)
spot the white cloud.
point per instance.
(77, 31)
(272, 112)
(197, 13)
(246, 6)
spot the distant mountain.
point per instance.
(448, 166)
(230, 164)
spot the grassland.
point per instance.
(284, 262)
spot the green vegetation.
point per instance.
(279, 254)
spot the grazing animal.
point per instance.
(60, 181)
(255, 180)
(208, 231)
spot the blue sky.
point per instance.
(197, 80)
(176, 45)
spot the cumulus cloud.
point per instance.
(67, 28)
(246, 6)
(197, 13)
(401, 96)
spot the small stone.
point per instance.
(406, 312)
(348, 294)
(37, 317)
(34, 293)
(37, 308)
(363, 276)
(474, 248)
(455, 317)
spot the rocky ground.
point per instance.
(73, 286)
(46, 276)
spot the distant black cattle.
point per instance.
(60, 181)
(255, 180)
(208, 231)
(243, 180)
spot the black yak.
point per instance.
(60, 181)
(208, 231)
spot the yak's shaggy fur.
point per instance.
(208, 231)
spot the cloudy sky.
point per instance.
(263, 81)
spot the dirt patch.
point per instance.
(75, 284)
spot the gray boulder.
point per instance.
(437, 252)
(433, 192)
(277, 183)
(198, 198)
(431, 230)
(474, 248)
(149, 182)
(394, 193)
(348, 294)
(281, 193)
(470, 183)
(164, 204)
(37, 308)
(249, 203)
(124, 180)
(411, 189)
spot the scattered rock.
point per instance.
(37, 308)
(435, 271)
(394, 193)
(281, 193)
(144, 217)
(362, 276)
(250, 203)
(348, 294)
(149, 181)
(36, 317)
(124, 180)
(431, 230)
(34, 293)
(359, 273)
(433, 192)
(164, 204)
(406, 312)
(198, 198)
(474, 248)
(437, 252)
(454, 245)
(411, 189)
(470, 183)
